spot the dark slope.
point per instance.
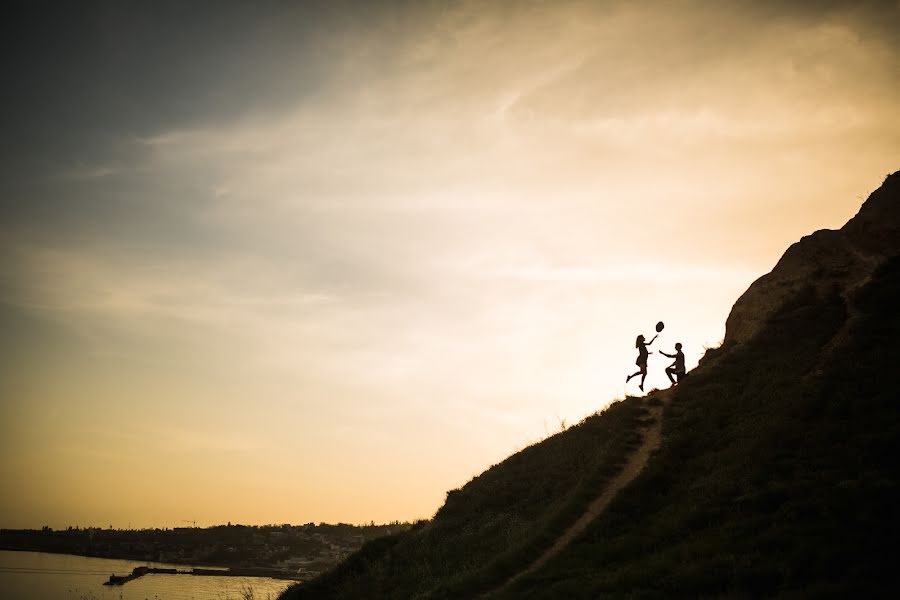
(497, 522)
(776, 475)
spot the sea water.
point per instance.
(42, 576)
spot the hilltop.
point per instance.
(844, 259)
(774, 475)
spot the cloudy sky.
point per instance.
(290, 262)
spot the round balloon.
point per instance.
(659, 326)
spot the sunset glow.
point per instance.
(265, 263)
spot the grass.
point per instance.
(495, 524)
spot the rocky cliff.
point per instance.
(825, 260)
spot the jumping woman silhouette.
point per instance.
(641, 361)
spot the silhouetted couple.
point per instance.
(676, 368)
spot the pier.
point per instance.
(234, 572)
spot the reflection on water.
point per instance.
(40, 576)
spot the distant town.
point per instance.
(301, 551)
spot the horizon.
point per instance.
(210, 526)
(323, 263)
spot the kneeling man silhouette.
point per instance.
(676, 368)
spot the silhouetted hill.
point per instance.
(776, 475)
(501, 518)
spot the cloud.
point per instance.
(447, 154)
(648, 273)
(89, 172)
(409, 220)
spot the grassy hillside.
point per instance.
(777, 475)
(497, 522)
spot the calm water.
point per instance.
(39, 576)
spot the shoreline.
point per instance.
(137, 560)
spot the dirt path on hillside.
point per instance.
(633, 466)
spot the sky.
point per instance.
(279, 262)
